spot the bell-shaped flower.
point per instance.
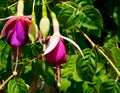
(55, 52)
(16, 28)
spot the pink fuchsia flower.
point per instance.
(55, 52)
(16, 30)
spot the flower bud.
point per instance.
(33, 32)
(44, 23)
(44, 26)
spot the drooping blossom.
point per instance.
(55, 52)
(16, 31)
(16, 28)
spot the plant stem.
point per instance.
(100, 51)
(34, 84)
(12, 5)
(10, 77)
(13, 75)
(16, 63)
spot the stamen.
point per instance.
(16, 63)
(58, 74)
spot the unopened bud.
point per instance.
(33, 32)
(44, 23)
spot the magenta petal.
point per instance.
(15, 41)
(9, 34)
(20, 31)
(52, 43)
(58, 54)
(10, 23)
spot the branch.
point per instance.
(13, 75)
(99, 50)
(34, 84)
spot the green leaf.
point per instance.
(90, 18)
(38, 67)
(116, 56)
(110, 86)
(82, 2)
(86, 68)
(65, 84)
(4, 53)
(3, 3)
(87, 88)
(87, 16)
(116, 16)
(17, 86)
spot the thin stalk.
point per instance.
(33, 7)
(3, 84)
(12, 5)
(16, 63)
(100, 51)
(13, 75)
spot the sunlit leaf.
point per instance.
(86, 68)
(110, 86)
(64, 85)
(17, 86)
(4, 53)
(87, 16)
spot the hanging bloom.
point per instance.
(55, 52)
(16, 28)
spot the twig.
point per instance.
(34, 84)
(99, 50)
(3, 84)
(12, 5)
(13, 75)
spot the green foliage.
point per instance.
(110, 86)
(86, 16)
(99, 19)
(86, 68)
(4, 53)
(17, 86)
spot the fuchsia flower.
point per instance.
(55, 52)
(16, 30)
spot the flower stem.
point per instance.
(100, 51)
(13, 75)
(16, 63)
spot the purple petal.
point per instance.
(20, 30)
(22, 26)
(14, 41)
(58, 54)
